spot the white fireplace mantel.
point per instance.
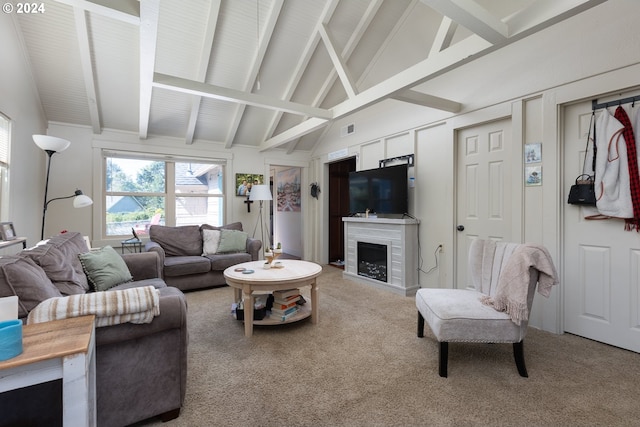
(401, 238)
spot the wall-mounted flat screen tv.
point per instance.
(382, 190)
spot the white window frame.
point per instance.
(5, 147)
(170, 195)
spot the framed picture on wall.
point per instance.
(533, 175)
(533, 152)
(7, 232)
(289, 195)
(244, 181)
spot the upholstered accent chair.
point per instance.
(504, 278)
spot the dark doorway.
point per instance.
(338, 205)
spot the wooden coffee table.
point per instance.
(294, 274)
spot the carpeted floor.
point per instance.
(362, 365)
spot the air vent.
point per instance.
(347, 130)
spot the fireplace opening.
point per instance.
(372, 261)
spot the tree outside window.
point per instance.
(137, 195)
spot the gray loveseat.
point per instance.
(141, 369)
(187, 264)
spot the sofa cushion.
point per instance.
(184, 240)
(210, 241)
(22, 277)
(71, 244)
(232, 241)
(59, 269)
(183, 265)
(233, 226)
(105, 268)
(221, 261)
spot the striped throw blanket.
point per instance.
(134, 305)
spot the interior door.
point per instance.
(338, 205)
(483, 199)
(601, 274)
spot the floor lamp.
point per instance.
(52, 145)
(260, 193)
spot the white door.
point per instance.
(484, 177)
(601, 273)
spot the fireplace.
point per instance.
(372, 261)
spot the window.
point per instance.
(5, 139)
(143, 191)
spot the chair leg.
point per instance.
(443, 357)
(420, 325)
(518, 354)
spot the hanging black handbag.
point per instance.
(583, 191)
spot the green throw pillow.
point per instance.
(104, 268)
(232, 241)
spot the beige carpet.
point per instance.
(363, 365)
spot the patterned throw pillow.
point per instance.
(210, 241)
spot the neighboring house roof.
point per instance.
(124, 204)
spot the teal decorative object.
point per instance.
(10, 339)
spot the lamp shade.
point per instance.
(81, 201)
(260, 192)
(51, 143)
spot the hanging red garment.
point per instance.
(632, 160)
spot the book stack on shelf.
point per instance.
(285, 304)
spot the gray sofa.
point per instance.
(185, 263)
(141, 369)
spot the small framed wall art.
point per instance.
(7, 232)
(533, 175)
(533, 152)
(244, 182)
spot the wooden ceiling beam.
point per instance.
(472, 16)
(86, 64)
(201, 74)
(226, 94)
(252, 79)
(149, 13)
(121, 10)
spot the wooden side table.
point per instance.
(59, 349)
(16, 241)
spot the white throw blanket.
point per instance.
(513, 285)
(134, 305)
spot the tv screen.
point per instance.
(382, 190)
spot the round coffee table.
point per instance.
(293, 274)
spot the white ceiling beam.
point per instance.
(302, 65)
(467, 50)
(121, 10)
(290, 134)
(252, 78)
(339, 65)
(348, 50)
(201, 73)
(460, 53)
(149, 13)
(543, 13)
(226, 94)
(444, 35)
(472, 16)
(430, 101)
(87, 68)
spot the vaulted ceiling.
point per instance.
(260, 73)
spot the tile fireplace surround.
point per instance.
(399, 236)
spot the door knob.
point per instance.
(460, 228)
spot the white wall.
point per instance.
(20, 102)
(585, 57)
